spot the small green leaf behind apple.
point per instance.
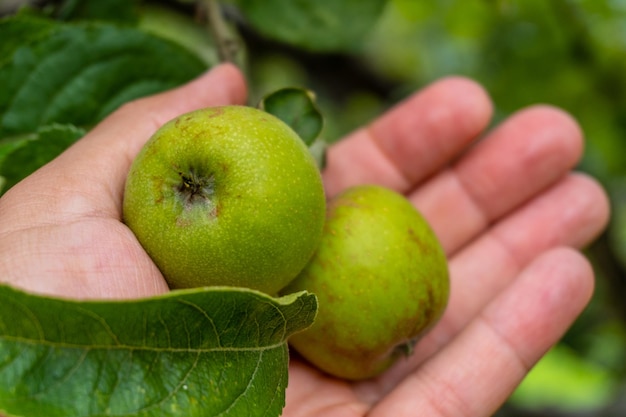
(298, 109)
(381, 279)
(226, 196)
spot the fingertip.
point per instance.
(221, 85)
(570, 269)
(557, 124)
(559, 285)
(227, 84)
(452, 107)
(414, 139)
(598, 207)
(547, 297)
(472, 100)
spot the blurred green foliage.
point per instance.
(567, 53)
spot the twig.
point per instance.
(227, 45)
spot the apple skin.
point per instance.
(381, 279)
(226, 196)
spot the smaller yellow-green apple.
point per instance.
(381, 279)
(226, 196)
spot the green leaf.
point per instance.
(319, 25)
(180, 28)
(77, 73)
(19, 31)
(118, 10)
(564, 381)
(296, 107)
(8, 145)
(202, 352)
(22, 156)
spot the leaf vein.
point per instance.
(120, 346)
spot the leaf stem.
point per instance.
(227, 45)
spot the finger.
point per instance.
(571, 213)
(477, 372)
(526, 154)
(412, 140)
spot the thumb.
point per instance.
(96, 166)
(115, 142)
(133, 123)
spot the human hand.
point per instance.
(506, 209)
(510, 215)
(60, 229)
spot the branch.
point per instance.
(227, 45)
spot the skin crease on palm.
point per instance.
(507, 208)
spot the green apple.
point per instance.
(381, 279)
(226, 196)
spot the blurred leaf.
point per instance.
(273, 72)
(564, 381)
(418, 41)
(202, 352)
(319, 25)
(183, 29)
(296, 107)
(8, 145)
(20, 158)
(20, 31)
(115, 10)
(78, 73)
(415, 10)
(617, 227)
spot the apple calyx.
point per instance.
(195, 188)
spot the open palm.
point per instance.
(507, 208)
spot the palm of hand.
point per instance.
(505, 222)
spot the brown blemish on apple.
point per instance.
(182, 123)
(157, 186)
(429, 309)
(215, 211)
(183, 222)
(424, 248)
(149, 151)
(216, 111)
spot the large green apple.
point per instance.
(226, 196)
(381, 279)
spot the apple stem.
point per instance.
(227, 45)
